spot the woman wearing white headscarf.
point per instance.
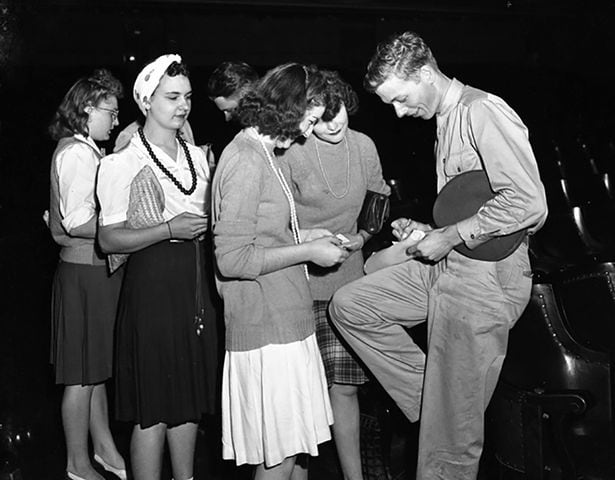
(153, 197)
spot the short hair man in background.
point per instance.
(228, 83)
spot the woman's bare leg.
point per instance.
(146, 449)
(182, 441)
(281, 471)
(346, 429)
(102, 440)
(76, 421)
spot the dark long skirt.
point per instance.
(165, 371)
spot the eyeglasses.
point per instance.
(114, 113)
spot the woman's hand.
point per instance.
(402, 227)
(187, 226)
(310, 234)
(354, 242)
(326, 251)
(46, 218)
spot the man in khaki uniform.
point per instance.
(470, 304)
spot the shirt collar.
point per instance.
(136, 141)
(451, 97)
(160, 154)
(89, 141)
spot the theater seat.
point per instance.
(552, 414)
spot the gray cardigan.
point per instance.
(250, 214)
(318, 207)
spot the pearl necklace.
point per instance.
(165, 170)
(294, 221)
(324, 175)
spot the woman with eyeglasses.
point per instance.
(84, 297)
(154, 206)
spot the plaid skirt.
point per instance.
(341, 364)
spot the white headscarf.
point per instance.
(149, 78)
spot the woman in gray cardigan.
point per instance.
(275, 405)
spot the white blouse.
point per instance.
(119, 169)
(76, 167)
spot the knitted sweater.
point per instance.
(329, 189)
(250, 214)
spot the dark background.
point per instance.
(552, 61)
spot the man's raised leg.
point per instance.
(371, 314)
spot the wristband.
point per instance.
(170, 232)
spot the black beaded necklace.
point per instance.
(165, 170)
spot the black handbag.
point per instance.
(374, 212)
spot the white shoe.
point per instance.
(120, 473)
(72, 476)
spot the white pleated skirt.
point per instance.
(275, 403)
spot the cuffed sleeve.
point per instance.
(468, 231)
(375, 180)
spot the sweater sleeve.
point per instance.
(237, 191)
(375, 180)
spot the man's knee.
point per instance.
(342, 303)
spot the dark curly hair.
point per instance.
(278, 102)
(177, 69)
(402, 55)
(70, 117)
(230, 78)
(338, 93)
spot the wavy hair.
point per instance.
(337, 93)
(70, 117)
(278, 102)
(401, 55)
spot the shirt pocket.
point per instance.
(461, 160)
